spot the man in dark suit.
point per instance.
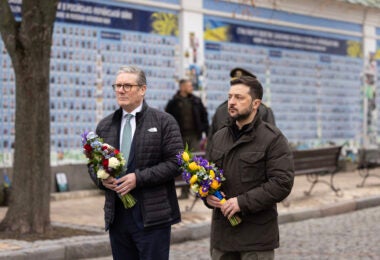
(150, 139)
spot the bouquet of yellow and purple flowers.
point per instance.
(203, 177)
(106, 161)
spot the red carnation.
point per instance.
(116, 151)
(105, 163)
(87, 147)
(104, 147)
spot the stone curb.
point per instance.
(74, 194)
(97, 246)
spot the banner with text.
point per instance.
(111, 16)
(221, 31)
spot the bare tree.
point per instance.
(28, 43)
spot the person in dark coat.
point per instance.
(190, 114)
(258, 167)
(221, 116)
(143, 231)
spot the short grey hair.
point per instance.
(141, 79)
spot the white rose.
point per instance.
(113, 163)
(122, 162)
(102, 174)
(194, 187)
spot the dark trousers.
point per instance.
(129, 241)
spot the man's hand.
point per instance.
(109, 183)
(230, 207)
(213, 201)
(125, 184)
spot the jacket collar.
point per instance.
(250, 129)
(118, 115)
(140, 114)
(178, 96)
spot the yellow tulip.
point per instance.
(212, 174)
(193, 166)
(215, 184)
(193, 179)
(185, 156)
(202, 193)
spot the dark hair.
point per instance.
(182, 81)
(255, 88)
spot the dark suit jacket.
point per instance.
(156, 142)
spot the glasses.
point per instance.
(125, 87)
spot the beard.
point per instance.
(243, 115)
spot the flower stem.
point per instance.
(235, 219)
(128, 200)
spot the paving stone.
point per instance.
(303, 234)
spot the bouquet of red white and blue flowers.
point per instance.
(106, 161)
(203, 177)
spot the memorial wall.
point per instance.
(91, 41)
(312, 67)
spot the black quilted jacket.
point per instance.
(156, 142)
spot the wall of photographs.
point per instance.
(312, 82)
(7, 106)
(311, 79)
(84, 60)
(377, 78)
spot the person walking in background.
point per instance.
(149, 140)
(258, 166)
(190, 114)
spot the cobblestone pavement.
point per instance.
(88, 210)
(83, 209)
(348, 236)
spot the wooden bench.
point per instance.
(367, 159)
(316, 162)
(180, 183)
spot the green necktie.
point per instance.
(127, 138)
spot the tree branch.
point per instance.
(8, 26)
(38, 18)
(47, 8)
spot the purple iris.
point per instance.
(179, 159)
(206, 183)
(186, 176)
(205, 188)
(208, 167)
(84, 137)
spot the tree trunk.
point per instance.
(28, 43)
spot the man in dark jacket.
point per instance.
(221, 116)
(190, 114)
(143, 231)
(258, 167)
